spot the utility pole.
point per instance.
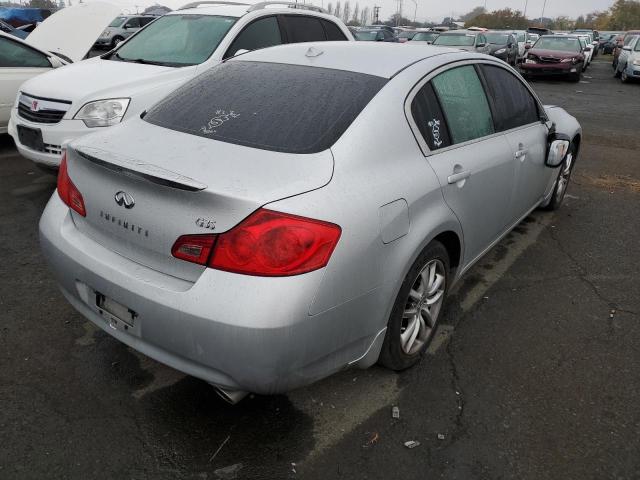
(544, 6)
(376, 13)
(526, 4)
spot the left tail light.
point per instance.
(68, 192)
(267, 243)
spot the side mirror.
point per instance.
(480, 45)
(558, 148)
(627, 48)
(527, 46)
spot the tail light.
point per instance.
(267, 243)
(68, 192)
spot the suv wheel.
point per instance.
(116, 41)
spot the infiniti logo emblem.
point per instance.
(124, 199)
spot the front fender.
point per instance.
(564, 122)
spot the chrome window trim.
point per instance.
(460, 63)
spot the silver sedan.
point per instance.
(302, 209)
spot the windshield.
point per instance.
(637, 49)
(369, 36)
(424, 37)
(270, 106)
(558, 44)
(406, 34)
(176, 40)
(455, 40)
(117, 21)
(497, 38)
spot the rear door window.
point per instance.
(332, 31)
(464, 103)
(513, 104)
(262, 33)
(429, 118)
(303, 29)
(133, 23)
(270, 106)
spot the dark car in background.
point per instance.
(406, 35)
(375, 35)
(503, 45)
(557, 55)
(468, 40)
(11, 30)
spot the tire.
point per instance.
(624, 78)
(116, 40)
(575, 77)
(562, 180)
(423, 292)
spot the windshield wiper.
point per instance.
(138, 60)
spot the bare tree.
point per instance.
(330, 8)
(337, 12)
(346, 11)
(356, 14)
(364, 17)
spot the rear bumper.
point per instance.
(55, 137)
(235, 331)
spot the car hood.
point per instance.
(552, 53)
(96, 78)
(73, 30)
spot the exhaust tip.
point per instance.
(230, 396)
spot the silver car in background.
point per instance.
(303, 208)
(121, 28)
(628, 67)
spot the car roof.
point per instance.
(241, 9)
(463, 32)
(380, 59)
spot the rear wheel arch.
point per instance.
(451, 241)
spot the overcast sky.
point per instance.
(433, 10)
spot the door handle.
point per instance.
(521, 154)
(457, 177)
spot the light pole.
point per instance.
(415, 10)
(544, 6)
(526, 4)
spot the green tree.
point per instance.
(505, 18)
(476, 12)
(624, 15)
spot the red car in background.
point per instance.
(557, 55)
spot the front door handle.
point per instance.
(521, 154)
(458, 177)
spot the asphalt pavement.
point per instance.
(534, 373)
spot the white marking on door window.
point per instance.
(221, 116)
(435, 132)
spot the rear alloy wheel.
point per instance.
(562, 182)
(416, 312)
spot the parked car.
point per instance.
(102, 91)
(310, 251)
(406, 35)
(122, 27)
(521, 39)
(471, 41)
(6, 28)
(608, 42)
(375, 35)
(503, 45)
(45, 49)
(387, 28)
(424, 38)
(628, 36)
(588, 49)
(628, 67)
(555, 55)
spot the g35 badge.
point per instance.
(206, 223)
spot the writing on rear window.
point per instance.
(221, 117)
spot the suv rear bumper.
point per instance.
(234, 331)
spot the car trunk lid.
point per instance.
(140, 195)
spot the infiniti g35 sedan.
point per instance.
(301, 209)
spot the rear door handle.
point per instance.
(457, 177)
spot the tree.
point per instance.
(330, 8)
(346, 11)
(42, 4)
(365, 16)
(356, 14)
(338, 11)
(476, 12)
(505, 18)
(624, 15)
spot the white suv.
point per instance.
(102, 91)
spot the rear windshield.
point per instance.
(278, 107)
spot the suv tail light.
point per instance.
(266, 243)
(68, 192)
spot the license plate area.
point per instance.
(31, 138)
(118, 316)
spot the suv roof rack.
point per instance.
(211, 2)
(302, 6)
